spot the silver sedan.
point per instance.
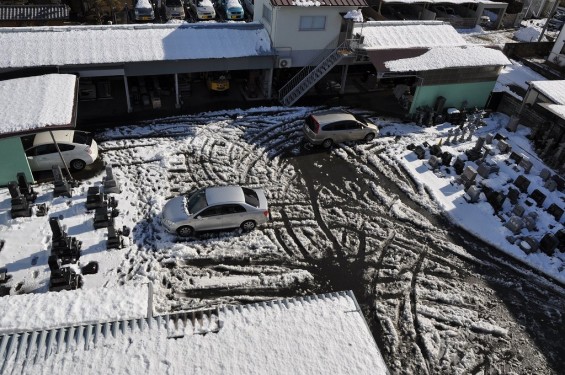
(218, 207)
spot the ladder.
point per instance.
(311, 74)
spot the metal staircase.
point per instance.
(311, 74)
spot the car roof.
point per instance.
(60, 136)
(325, 117)
(224, 194)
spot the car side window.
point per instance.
(65, 147)
(45, 149)
(354, 125)
(329, 127)
(229, 209)
(343, 125)
(210, 211)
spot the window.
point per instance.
(312, 23)
(196, 202)
(66, 147)
(229, 209)
(211, 211)
(44, 150)
(251, 197)
(267, 14)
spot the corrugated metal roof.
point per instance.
(320, 3)
(33, 12)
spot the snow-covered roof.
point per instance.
(311, 335)
(407, 34)
(554, 90)
(450, 57)
(77, 45)
(31, 312)
(556, 109)
(32, 103)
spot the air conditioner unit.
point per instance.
(284, 62)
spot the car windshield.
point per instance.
(82, 137)
(251, 197)
(174, 3)
(361, 119)
(196, 202)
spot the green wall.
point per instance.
(476, 94)
(13, 160)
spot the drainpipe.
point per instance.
(344, 70)
(177, 105)
(127, 94)
(269, 79)
(60, 155)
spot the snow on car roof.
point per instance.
(78, 45)
(143, 4)
(34, 103)
(224, 194)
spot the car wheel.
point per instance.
(248, 225)
(369, 137)
(78, 164)
(327, 143)
(185, 231)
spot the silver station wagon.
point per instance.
(218, 207)
(334, 126)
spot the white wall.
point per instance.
(555, 55)
(289, 40)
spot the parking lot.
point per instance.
(437, 299)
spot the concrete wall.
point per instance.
(12, 153)
(476, 95)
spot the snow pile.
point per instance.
(307, 3)
(355, 15)
(528, 34)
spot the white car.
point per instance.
(77, 148)
(218, 207)
(204, 9)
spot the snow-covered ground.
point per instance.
(366, 217)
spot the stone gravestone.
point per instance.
(484, 170)
(468, 176)
(110, 183)
(503, 146)
(518, 210)
(526, 164)
(550, 185)
(513, 195)
(19, 204)
(459, 165)
(25, 187)
(64, 247)
(488, 138)
(548, 244)
(530, 221)
(545, 174)
(62, 187)
(538, 197)
(522, 183)
(420, 152)
(434, 162)
(496, 200)
(516, 157)
(555, 211)
(446, 158)
(514, 224)
(94, 198)
(472, 194)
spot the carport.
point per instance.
(29, 105)
(141, 50)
